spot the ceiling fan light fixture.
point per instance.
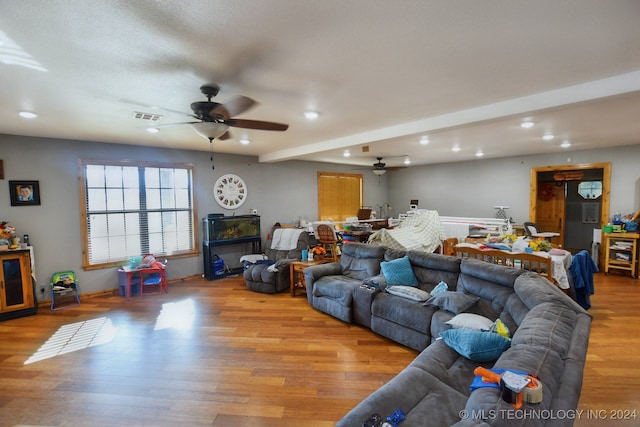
(210, 130)
(379, 172)
(28, 114)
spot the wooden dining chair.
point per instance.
(328, 240)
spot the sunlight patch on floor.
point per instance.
(74, 337)
(176, 315)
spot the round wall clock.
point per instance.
(230, 191)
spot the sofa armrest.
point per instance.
(313, 273)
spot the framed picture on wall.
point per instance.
(24, 193)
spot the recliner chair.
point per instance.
(260, 277)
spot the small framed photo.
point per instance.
(24, 193)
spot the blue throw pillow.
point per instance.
(439, 288)
(478, 346)
(398, 272)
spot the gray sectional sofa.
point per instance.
(548, 332)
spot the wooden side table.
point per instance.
(296, 274)
(621, 252)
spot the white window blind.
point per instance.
(133, 209)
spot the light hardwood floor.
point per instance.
(215, 354)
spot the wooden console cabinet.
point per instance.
(17, 297)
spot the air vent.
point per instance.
(365, 148)
(147, 116)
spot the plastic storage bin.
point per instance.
(122, 283)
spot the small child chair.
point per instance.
(153, 277)
(64, 290)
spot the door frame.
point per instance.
(606, 186)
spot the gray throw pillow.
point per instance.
(455, 302)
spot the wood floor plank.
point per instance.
(217, 354)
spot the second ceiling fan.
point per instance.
(379, 168)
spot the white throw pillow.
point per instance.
(470, 321)
(408, 292)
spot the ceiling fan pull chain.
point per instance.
(211, 152)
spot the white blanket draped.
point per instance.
(285, 239)
(422, 231)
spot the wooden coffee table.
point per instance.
(296, 273)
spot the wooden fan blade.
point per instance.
(256, 124)
(225, 135)
(237, 105)
(219, 111)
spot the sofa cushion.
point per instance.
(398, 272)
(403, 312)
(434, 268)
(455, 302)
(478, 346)
(419, 394)
(360, 260)
(470, 321)
(548, 325)
(408, 292)
(443, 362)
(338, 288)
(494, 284)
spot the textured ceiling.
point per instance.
(381, 74)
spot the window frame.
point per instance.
(83, 200)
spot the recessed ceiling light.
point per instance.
(28, 115)
(424, 140)
(479, 154)
(346, 153)
(245, 141)
(565, 144)
(548, 137)
(456, 149)
(153, 130)
(526, 125)
(407, 160)
(311, 115)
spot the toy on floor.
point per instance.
(393, 420)
(515, 388)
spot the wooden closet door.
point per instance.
(550, 212)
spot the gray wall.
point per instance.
(473, 188)
(283, 192)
